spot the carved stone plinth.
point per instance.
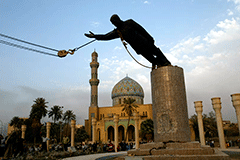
(175, 151)
(170, 114)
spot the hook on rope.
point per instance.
(63, 53)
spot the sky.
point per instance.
(202, 37)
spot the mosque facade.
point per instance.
(103, 117)
(100, 124)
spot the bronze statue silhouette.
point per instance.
(139, 39)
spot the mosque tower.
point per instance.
(94, 81)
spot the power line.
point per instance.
(16, 39)
(26, 48)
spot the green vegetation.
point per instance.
(129, 107)
(147, 130)
(35, 129)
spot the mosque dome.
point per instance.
(127, 88)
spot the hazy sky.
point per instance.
(202, 37)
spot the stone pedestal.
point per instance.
(170, 114)
(73, 124)
(48, 134)
(171, 125)
(136, 118)
(116, 119)
(199, 110)
(236, 105)
(24, 127)
(216, 103)
(94, 122)
(175, 151)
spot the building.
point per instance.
(104, 116)
(11, 128)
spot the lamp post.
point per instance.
(198, 109)
(48, 134)
(216, 103)
(136, 118)
(116, 119)
(24, 127)
(73, 124)
(236, 105)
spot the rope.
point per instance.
(22, 47)
(28, 42)
(125, 45)
(75, 49)
(61, 53)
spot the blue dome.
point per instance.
(127, 87)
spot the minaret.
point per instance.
(93, 109)
(94, 81)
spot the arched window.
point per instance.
(111, 133)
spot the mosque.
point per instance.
(100, 124)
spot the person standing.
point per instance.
(65, 142)
(44, 143)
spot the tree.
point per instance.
(38, 109)
(194, 125)
(68, 116)
(209, 124)
(231, 130)
(29, 136)
(129, 107)
(56, 113)
(16, 122)
(81, 135)
(37, 112)
(147, 129)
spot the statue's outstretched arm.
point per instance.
(109, 36)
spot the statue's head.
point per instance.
(116, 21)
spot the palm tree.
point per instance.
(68, 116)
(129, 107)
(56, 113)
(16, 122)
(147, 130)
(37, 112)
(38, 109)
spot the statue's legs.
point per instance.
(160, 58)
(151, 59)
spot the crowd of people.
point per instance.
(104, 147)
(229, 143)
(14, 146)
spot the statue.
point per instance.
(139, 39)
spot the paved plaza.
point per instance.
(100, 156)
